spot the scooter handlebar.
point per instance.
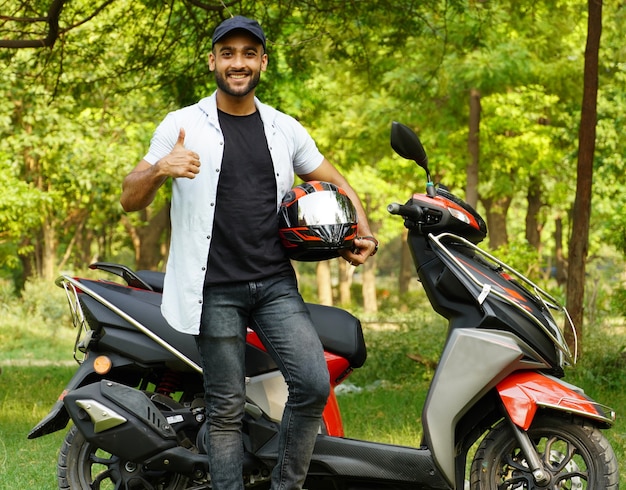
(409, 211)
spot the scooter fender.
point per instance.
(58, 418)
(524, 392)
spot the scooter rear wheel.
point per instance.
(574, 453)
(82, 464)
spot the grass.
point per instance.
(26, 395)
(36, 348)
(381, 401)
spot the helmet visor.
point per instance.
(325, 208)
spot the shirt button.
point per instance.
(204, 268)
(199, 301)
(208, 237)
(212, 204)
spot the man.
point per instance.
(232, 159)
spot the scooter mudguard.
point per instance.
(58, 417)
(524, 392)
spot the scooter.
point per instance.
(496, 391)
(497, 396)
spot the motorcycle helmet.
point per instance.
(316, 221)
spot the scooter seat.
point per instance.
(339, 331)
(154, 279)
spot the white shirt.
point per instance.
(193, 200)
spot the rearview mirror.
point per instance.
(406, 144)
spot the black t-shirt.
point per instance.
(245, 245)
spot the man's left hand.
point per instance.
(364, 247)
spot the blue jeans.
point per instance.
(274, 309)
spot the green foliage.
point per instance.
(603, 362)
(521, 257)
(36, 324)
(76, 118)
(44, 302)
(391, 342)
(518, 136)
(618, 300)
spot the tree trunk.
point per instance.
(324, 283)
(151, 237)
(496, 210)
(148, 239)
(560, 263)
(473, 146)
(48, 250)
(346, 272)
(370, 304)
(28, 264)
(533, 225)
(579, 241)
(407, 268)
(77, 238)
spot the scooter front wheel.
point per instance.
(575, 455)
(82, 464)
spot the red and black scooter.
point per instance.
(496, 396)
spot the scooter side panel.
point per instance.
(269, 392)
(473, 362)
(141, 430)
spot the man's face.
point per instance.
(238, 61)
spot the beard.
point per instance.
(241, 91)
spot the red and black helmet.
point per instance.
(316, 221)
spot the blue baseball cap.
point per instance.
(239, 22)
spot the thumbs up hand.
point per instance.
(180, 162)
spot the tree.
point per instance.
(579, 241)
(149, 235)
(65, 133)
(31, 27)
(78, 113)
(473, 148)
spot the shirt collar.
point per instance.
(208, 105)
